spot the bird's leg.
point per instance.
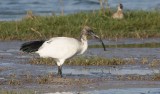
(60, 70)
(60, 63)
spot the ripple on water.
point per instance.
(5, 54)
(8, 8)
(116, 91)
(104, 71)
(127, 91)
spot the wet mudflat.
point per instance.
(138, 78)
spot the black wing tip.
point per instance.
(31, 46)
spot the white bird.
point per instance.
(60, 48)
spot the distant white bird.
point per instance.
(119, 14)
(60, 48)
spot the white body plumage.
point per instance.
(62, 48)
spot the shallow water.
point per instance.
(127, 48)
(118, 91)
(12, 58)
(12, 61)
(16, 9)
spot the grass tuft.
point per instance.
(137, 24)
(156, 77)
(81, 61)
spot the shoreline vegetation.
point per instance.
(136, 24)
(98, 61)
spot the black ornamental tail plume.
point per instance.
(31, 46)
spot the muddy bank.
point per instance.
(82, 85)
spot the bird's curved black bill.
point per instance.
(97, 37)
(102, 44)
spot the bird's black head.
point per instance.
(88, 31)
(120, 6)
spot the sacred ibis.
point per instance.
(61, 48)
(119, 14)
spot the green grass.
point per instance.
(137, 24)
(97, 61)
(84, 61)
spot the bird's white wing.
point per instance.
(60, 47)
